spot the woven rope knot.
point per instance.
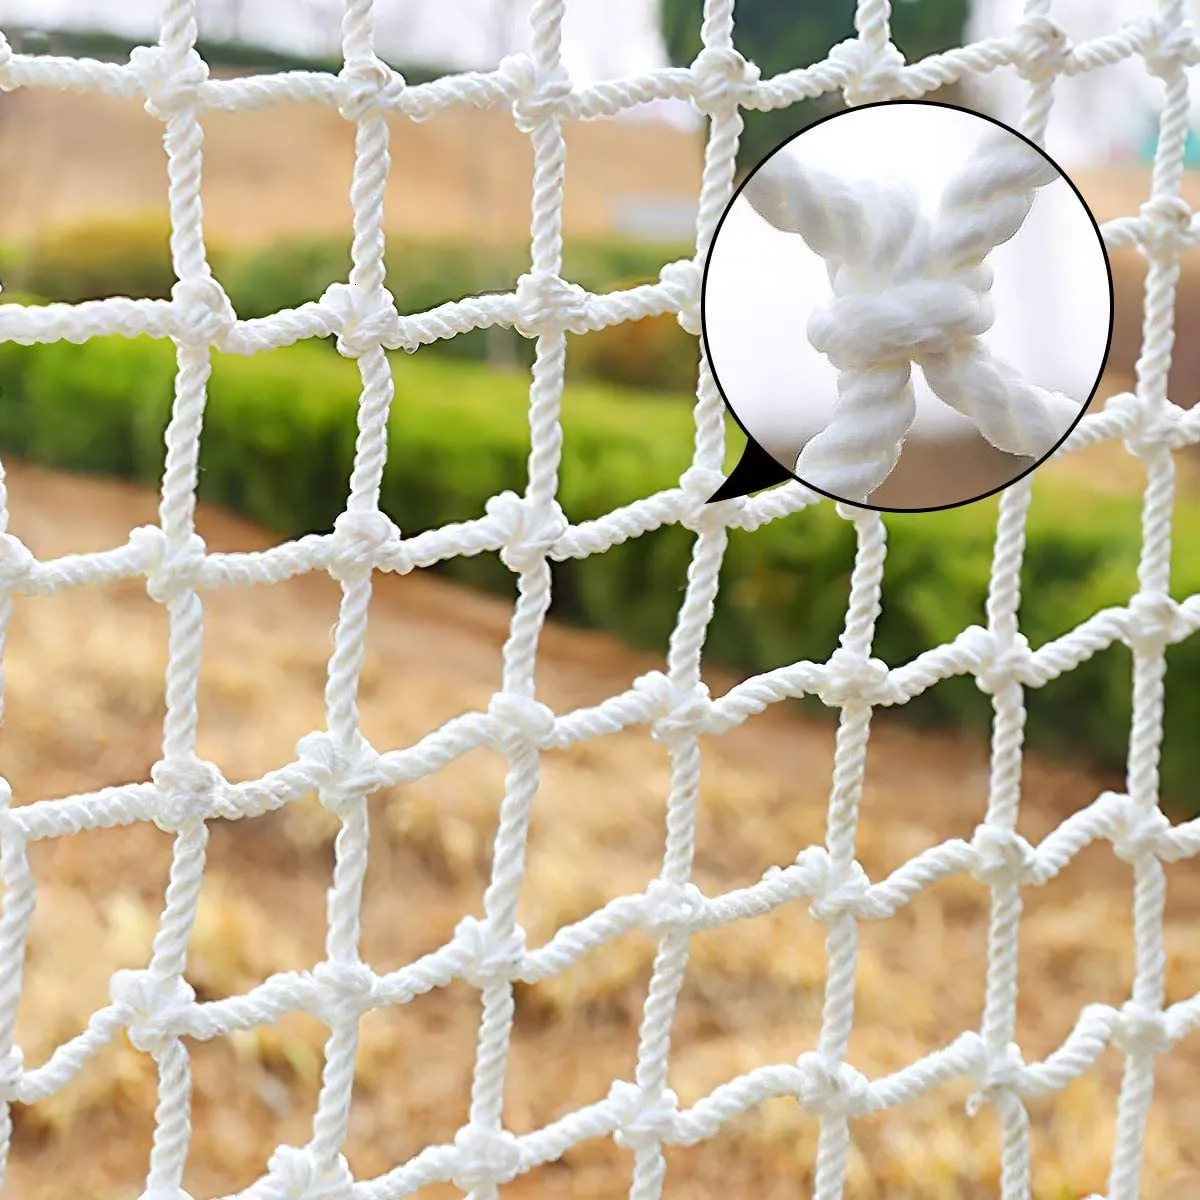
(12, 1068)
(529, 529)
(994, 1075)
(1166, 45)
(682, 282)
(188, 788)
(832, 1089)
(1166, 223)
(363, 321)
(488, 958)
(1002, 856)
(849, 676)
(486, 1157)
(547, 303)
(296, 1176)
(342, 775)
(172, 568)
(1041, 46)
(365, 84)
(17, 563)
(363, 541)
(347, 991)
(673, 907)
(722, 78)
(642, 1121)
(1141, 1031)
(153, 1010)
(1139, 832)
(1155, 621)
(836, 893)
(697, 485)
(677, 713)
(867, 76)
(537, 97)
(993, 664)
(204, 312)
(171, 83)
(1149, 424)
(520, 721)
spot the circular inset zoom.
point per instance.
(907, 306)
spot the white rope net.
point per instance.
(157, 1007)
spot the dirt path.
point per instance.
(84, 700)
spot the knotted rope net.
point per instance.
(156, 1005)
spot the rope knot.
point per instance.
(485, 957)
(868, 77)
(1166, 46)
(170, 83)
(832, 1089)
(994, 665)
(673, 907)
(529, 529)
(1149, 425)
(188, 788)
(365, 84)
(850, 675)
(1154, 621)
(363, 541)
(204, 312)
(993, 1075)
(342, 774)
(347, 990)
(1139, 831)
(1166, 223)
(1002, 856)
(362, 320)
(697, 485)
(486, 1157)
(172, 568)
(1141, 1031)
(722, 78)
(681, 279)
(153, 1010)
(1041, 46)
(17, 563)
(298, 1176)
(519, 721)
(536, 97)
(837, 892)
(547, 303)
(642, 1121)
(677, 712)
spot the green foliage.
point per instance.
(782, 37)
(278, 446)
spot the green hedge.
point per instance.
(278, 444)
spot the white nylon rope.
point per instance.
(910, 291)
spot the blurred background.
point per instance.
(83, 215)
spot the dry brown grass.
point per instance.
(84, 703)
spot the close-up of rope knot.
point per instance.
(363, 541)
(487, 1158)
(831, 1088)
(672, 907)
(361, 320)
(642, 1121)
(1041, 46)
(1156, 620)
(1140, 1030)
(1002, 856)
(204, 311)
(519, 721)
(187, 787)
(347, 991)
(152, 1008)
(682, 282)
(171, 82)
(911, 290)
(722, 76)
(536, 95)
(366, 85)
(994, 662)
(529, 530)
(294, 1174)
(547, 303)
(867, 76)
(342, 774)
(1139, 831)
(993, 1074)
(172, 566)
(1165, 44)
(487, 958)
(851, 676)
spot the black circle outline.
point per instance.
(1112, 303)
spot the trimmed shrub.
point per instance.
(278, 447)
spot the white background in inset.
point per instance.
(157, 1006)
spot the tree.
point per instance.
(780, 36)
